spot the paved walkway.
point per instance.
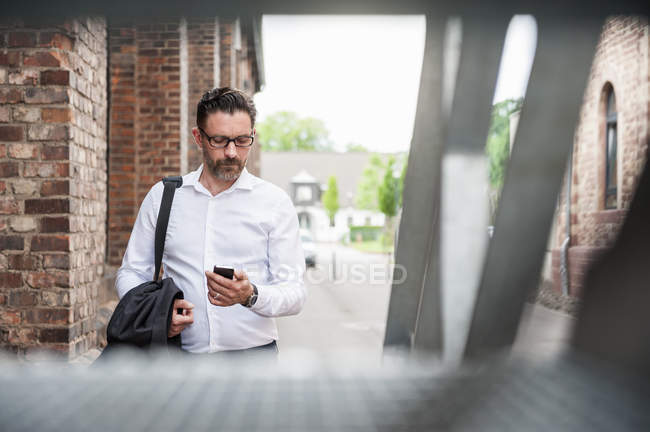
(348, 315)
(543, 333)
(342, 314)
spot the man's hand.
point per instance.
(227, 292)
(180, 321)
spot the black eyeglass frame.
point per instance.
(228, 140)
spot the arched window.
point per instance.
(610, 151)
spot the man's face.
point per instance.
(225, 163)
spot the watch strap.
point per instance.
(253, 297)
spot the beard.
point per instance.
(225, 169)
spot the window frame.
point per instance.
(610, 147)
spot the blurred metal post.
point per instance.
(464, 200)
(614, 323)
(421, 197)
(565, 49)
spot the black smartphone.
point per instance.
(227, 272)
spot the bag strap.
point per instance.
(171, 183)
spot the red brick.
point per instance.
(11, 58)
(55, 224)
(26, 114)
(62, 279)
(47, 132)
(54, 335)
(44, 58)
(46, 95)
(9, 206)
(49, 152)
(11, 133)
(55, 40)
(59, 261)
(22, 39)
(10, 317)
(22, 262)
(10, 95)
(592, 227)
(3, 151)
(615, 217)
(51, 243)
(22, 298)
(8, 169)
(56, 316)
(47, 206)
(23, 151)
(11, 280)
(3, 187)
(24, 77)
(56, 115)
(22, 335)
(55, 77)
(55, 187)
(41, 280)
(46, 169)
(12, 242)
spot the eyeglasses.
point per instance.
(219, 141)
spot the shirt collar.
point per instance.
(244, 181)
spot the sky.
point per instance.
(360, 74)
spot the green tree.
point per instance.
(331, 199)
(400, 186)
(355, 148)
(366, 198)
(285, 131)
(387, 192)
(498, 148)
(498, 142)
(387, 195)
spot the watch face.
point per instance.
(253, 299)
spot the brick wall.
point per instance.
(246, 80)
(621, 60)
(52, 184)
(145, 120)
(201, 51)
(236, 51)
(158, 103)
(55, 165)
(122, 151)
(145, 106)
(226, 52)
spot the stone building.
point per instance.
(92, 114)
(609, 152)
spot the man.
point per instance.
(223, 215)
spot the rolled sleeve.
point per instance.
(285, 294)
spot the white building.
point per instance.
(304, 177)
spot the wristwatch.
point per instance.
(253, 298)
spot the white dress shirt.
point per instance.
(251, 226)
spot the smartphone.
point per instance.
(227, 272)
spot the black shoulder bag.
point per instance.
(143, 316)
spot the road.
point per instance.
(345, 317)
(345, 314)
